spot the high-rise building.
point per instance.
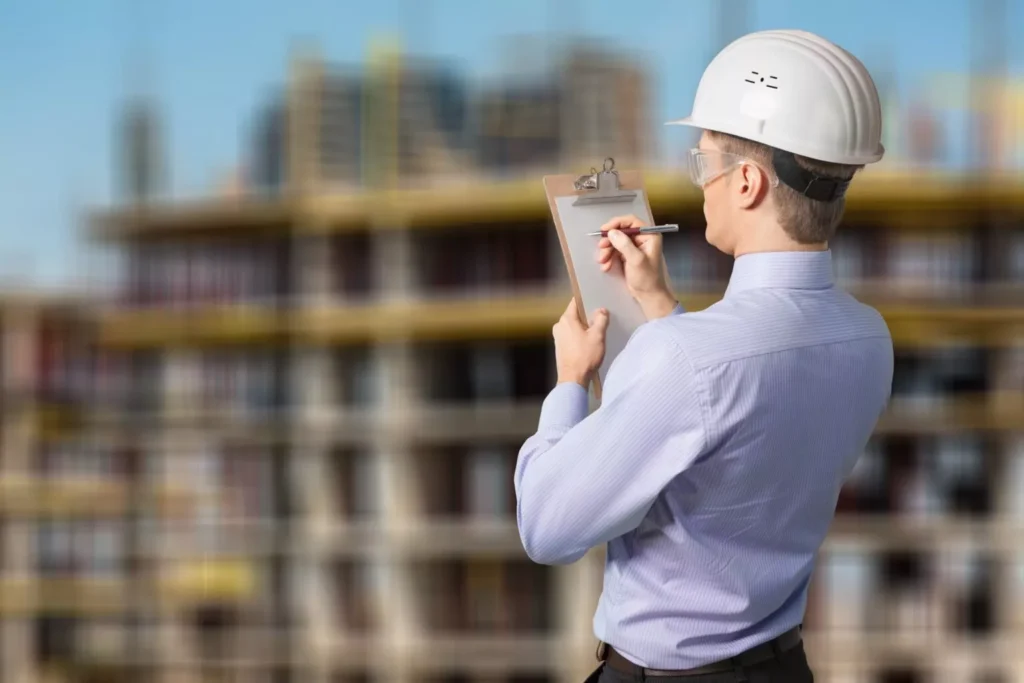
(587, 105)
(433, 123)
(341, 119)
(605, 108)
(267, 164)
(519, 127)
(403, 122)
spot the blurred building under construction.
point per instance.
(285, 451)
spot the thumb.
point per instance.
(625, 246)
(600, 322)
(571, 316)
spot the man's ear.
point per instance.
(751, 186)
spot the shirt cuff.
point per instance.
(678, 309)
(565, 406)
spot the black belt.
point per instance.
(755, 655)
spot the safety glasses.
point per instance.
(708, 165)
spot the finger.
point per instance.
(570, 310)
(649, 244)
(609, 259)
(600, 322)
(621, 223)
(571, 316)
(625, 246)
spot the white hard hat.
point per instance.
(793, 91)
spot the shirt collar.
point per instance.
(781, 270)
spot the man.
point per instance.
(712, 468)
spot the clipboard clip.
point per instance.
(602, 186)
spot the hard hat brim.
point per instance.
(856, 160)
(688, 121)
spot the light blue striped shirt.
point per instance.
(713, 466)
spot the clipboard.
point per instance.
(581, 204)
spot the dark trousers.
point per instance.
(789, 667)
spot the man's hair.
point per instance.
(805, 220)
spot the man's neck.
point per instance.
(769, 238)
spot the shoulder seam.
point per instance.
(810, 345)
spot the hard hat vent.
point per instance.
(767, 80)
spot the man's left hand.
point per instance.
(579, 350)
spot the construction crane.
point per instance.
(733, 20)
(988, 66)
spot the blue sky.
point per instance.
(63, 73)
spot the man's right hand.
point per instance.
(641, 261)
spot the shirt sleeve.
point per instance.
(582, 480)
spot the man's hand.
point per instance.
(641, 261)
(579, 350)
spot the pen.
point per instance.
(646, 230)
